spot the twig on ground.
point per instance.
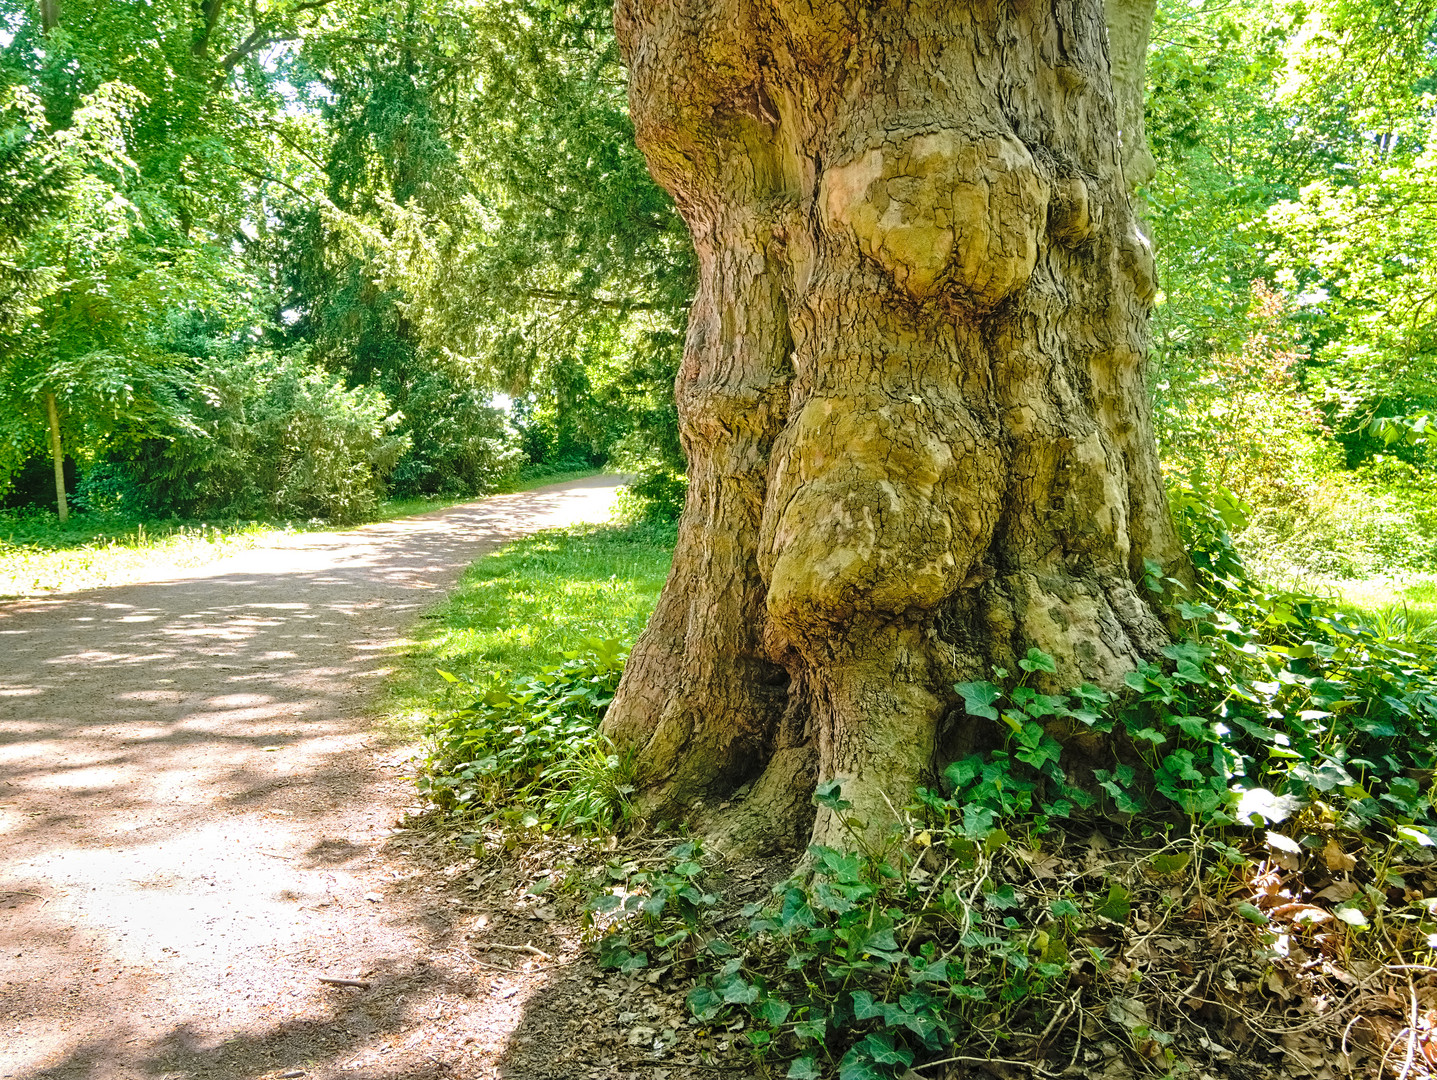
(963, 1060)
(1411, 1029)
(1078, 1043)
(487, 945)
(358, 984)
(480, 963)
(1061, 1013)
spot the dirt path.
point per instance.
(192, 810)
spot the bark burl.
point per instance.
(912, 391)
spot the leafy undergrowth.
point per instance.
(530, 646)
(1090, 953)
(1232, 875)
(1226, 869)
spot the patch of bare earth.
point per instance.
(197, 830)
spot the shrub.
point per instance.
(656, 494)
(272, 436)
(459, 443)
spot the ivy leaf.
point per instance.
(978, 698)
(704, 1003)
(1171, 862)
(815, 1027)
(773, 1011)
(739, 992)
(1252, 913)
(1063, 909)
(1117, 906)
(882, 1050)
(864, 1007)
(804, 1068)
(855, 1067)
(933, 973)
(796, 912)
(1038, 660)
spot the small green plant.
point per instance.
(670, 904)
(531, 752)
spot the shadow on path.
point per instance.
(192, 809)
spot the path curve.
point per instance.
(192, 803)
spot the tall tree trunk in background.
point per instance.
(49, 15)
(912, 393)
(58, 453)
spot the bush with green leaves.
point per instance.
(270, 435)
(656, 494)
(531, 752)
(1270, 700)
(459, 443)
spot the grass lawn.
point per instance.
(39, 555)
(521, 608)
(529, 478)
(1411, 599)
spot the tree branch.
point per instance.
(591, 301)
(262, 36)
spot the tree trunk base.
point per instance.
(912, 392)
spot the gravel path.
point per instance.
(193, 812)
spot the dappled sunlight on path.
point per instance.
(191, 803)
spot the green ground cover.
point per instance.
(1273, 779)
(521, 609)
(40, 556)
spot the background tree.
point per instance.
(1293, 224)
(912, 393)
(35, 178)
(435, 201)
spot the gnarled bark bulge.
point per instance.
(912, 392)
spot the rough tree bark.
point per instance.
(912, 393)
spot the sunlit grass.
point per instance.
(96, 553)
(520, 609)
(1406, 605)
(39, 555)
(529, 478)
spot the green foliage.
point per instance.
(866, 963)
(1274, 707)
(656, 494)
(532, 752)
(1295, 241)
(488, 216)
(1272, 699)
(269, 435)
(457, 442)
(36, 175)
(535, 635)
(439, 201)
(668, 901)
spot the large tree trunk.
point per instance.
(912, 393)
